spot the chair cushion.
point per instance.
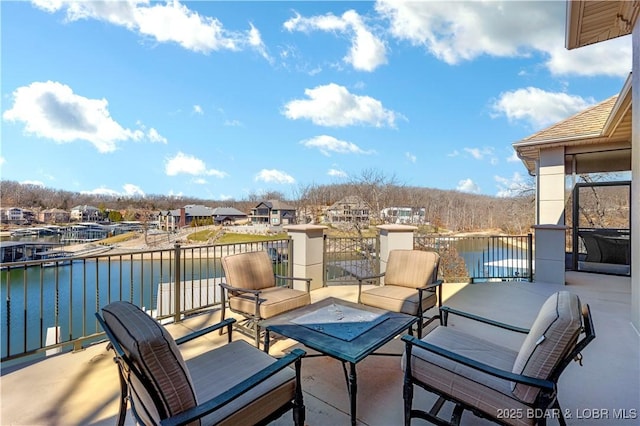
(411, 268)
(553, 334)
(152, 349)
(251, 270)
(477, 389)
(273, 301)
(217, 371)
(398, 299)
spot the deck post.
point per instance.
(308, 253)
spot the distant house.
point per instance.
(228, 215)
(273, 212)
(403, 215)
(170, 220)
(350, 209)
(85, 214)
(16, 215)
(54, 216)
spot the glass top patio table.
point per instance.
(340, 329)
(346, 331)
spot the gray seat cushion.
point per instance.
(152, 349)
(482, 391)
(552, 336)
(216, 371)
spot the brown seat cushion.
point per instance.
(553, 334)
(398, 299)
(273, 301)
(251, 270)
(411, 268)
(152, 349)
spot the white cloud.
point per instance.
(2, 160)
(32, 182)
(462, 31)
(337, 173)
(467, 185)
(411, 157)
(538, 107)
(187, 164)
(165, 22)
(232, 123)
(154, 136)
(513, 158)
(133, 190)
(367, 52)
(509, 187)
(200, 181)
(224, 197)
(482, 153)
(51, 110)
(197, 109)
(128, 190)
(333, 105)
(453, 153)
(328, 144)
(274, 176)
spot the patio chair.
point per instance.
(494, 382)
(410, 284)
(233, 384)
(253, 293)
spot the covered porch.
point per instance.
(82, 387)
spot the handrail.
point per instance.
(49, 304)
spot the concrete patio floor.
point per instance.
(82, 388)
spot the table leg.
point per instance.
(353, 391)
(266, 340)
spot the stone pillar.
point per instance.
(394, 237)
(550, 231)
(308, 253)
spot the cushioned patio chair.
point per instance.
(235, 384)
(253, 293)
(494, 382)
(410, 284)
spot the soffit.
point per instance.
(590, 21)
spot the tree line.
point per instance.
(445, 209)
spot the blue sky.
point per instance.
(219, 100)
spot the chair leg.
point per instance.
(122, 411)
(407, 388)
(256, 328)
(298, 402)
(222, 314)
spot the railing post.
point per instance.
(308, 252)
(177, 280)
(530, 256)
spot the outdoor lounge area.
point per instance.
(83, 388)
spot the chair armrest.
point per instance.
(476, 365)
(360, 279)
(431, 285)
(226, 323)
(447, 310)
(240, 290)
(308, 280)
(214, 404)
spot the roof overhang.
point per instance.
(591, 21)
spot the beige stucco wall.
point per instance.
(635, 185)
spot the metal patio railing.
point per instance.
(50, 304)
(483, 258)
